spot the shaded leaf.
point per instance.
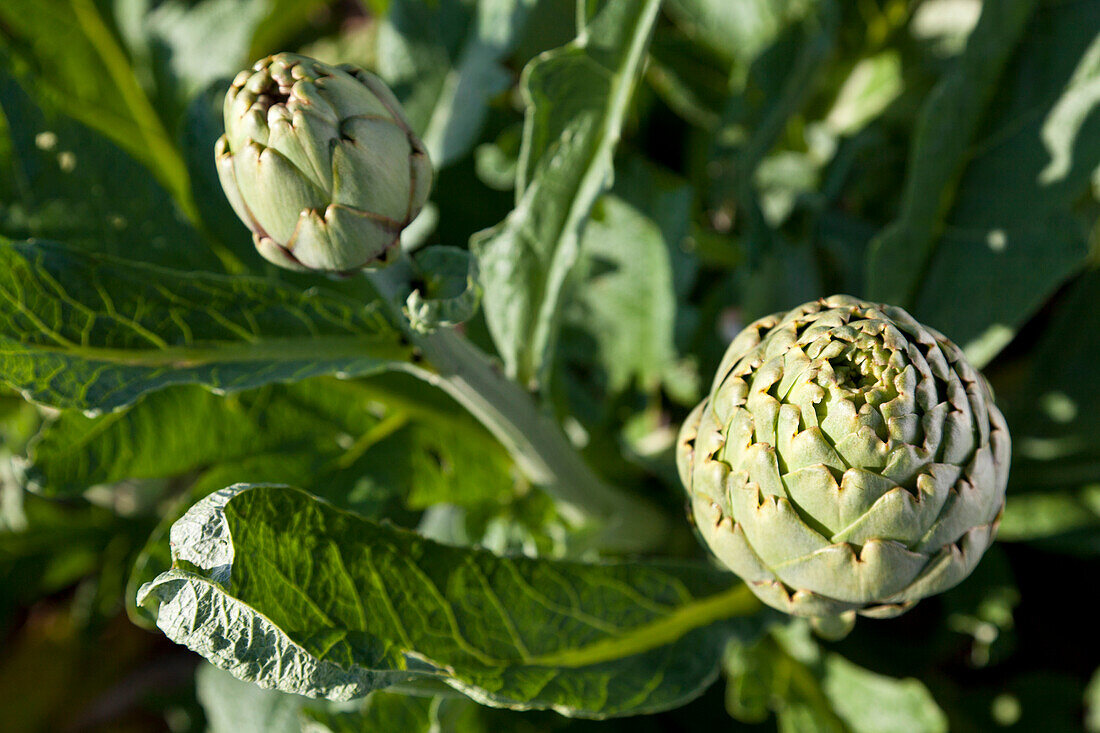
(995, 173)
(233, 706)
(95, 333)
(62, 192)
(577, 97)
(625, 304)
(445, 62)
(78, 61)
(813, 690)
(327, 604)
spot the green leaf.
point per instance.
(950, 119)
(813, 690)
(202, 125)
(625, 305)
(325, 603)
(874, 703)
(184, 46)
(448, 291)
(577, 97)
(378, 447)
(1053, 412)
(155, 555)
(1004, 149)
(94, 333)
(737, 29)
(76, 59)
(233, 706)
(62, 192)
(318, 416)
(1092, 704)
(1013, 228)
(381, 711)
(444, 60)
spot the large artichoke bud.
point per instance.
(320, 163)
(847, 459)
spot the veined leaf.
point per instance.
(384, 448)
(155, 556)
(95, 333)
(337, 422)
(280, 588)
(577, 98)
(76, 451)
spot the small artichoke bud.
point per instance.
(320, 164)
(847, 460)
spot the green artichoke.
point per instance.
(320, 163)
(847, 459)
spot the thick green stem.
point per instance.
(534, 439)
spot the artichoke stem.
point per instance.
(534, 440)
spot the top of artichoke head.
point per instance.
(847, 459)
(320, 163)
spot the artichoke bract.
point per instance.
(320, 164)
(847, 460)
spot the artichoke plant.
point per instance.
(847, 459)
(320, 164)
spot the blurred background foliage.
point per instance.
(942, 155)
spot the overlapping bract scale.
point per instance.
(320, 164)
(847, 459)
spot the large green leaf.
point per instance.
(388, 432)
(280, 588)
(445, 62)
(77, 60)
(577, 97)
(94, 333)
(384, 448)
(61, 191)
(950, 119)
(1053, 412)
(1004, 149)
